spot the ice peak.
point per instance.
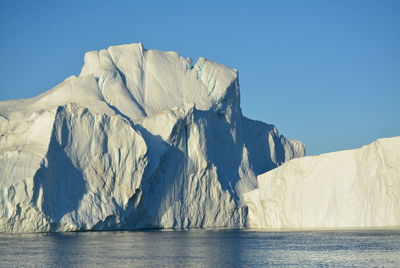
(142, 82)
(137, 83)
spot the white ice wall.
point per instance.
(354, 188)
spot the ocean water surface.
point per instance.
(203, 248)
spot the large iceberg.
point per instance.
(140, 139)
(353, 188)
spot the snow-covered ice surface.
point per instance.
(140, 139)
(353, 188)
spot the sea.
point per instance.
(203, 248)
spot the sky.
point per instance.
(326, 72)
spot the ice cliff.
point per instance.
(354, 188)
(140, 139)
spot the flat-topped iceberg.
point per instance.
(353, 188)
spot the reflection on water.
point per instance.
(203, 248)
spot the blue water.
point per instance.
(203, 248)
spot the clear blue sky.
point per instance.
(324, 72)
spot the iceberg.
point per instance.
(347, 189)
(140, 139)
